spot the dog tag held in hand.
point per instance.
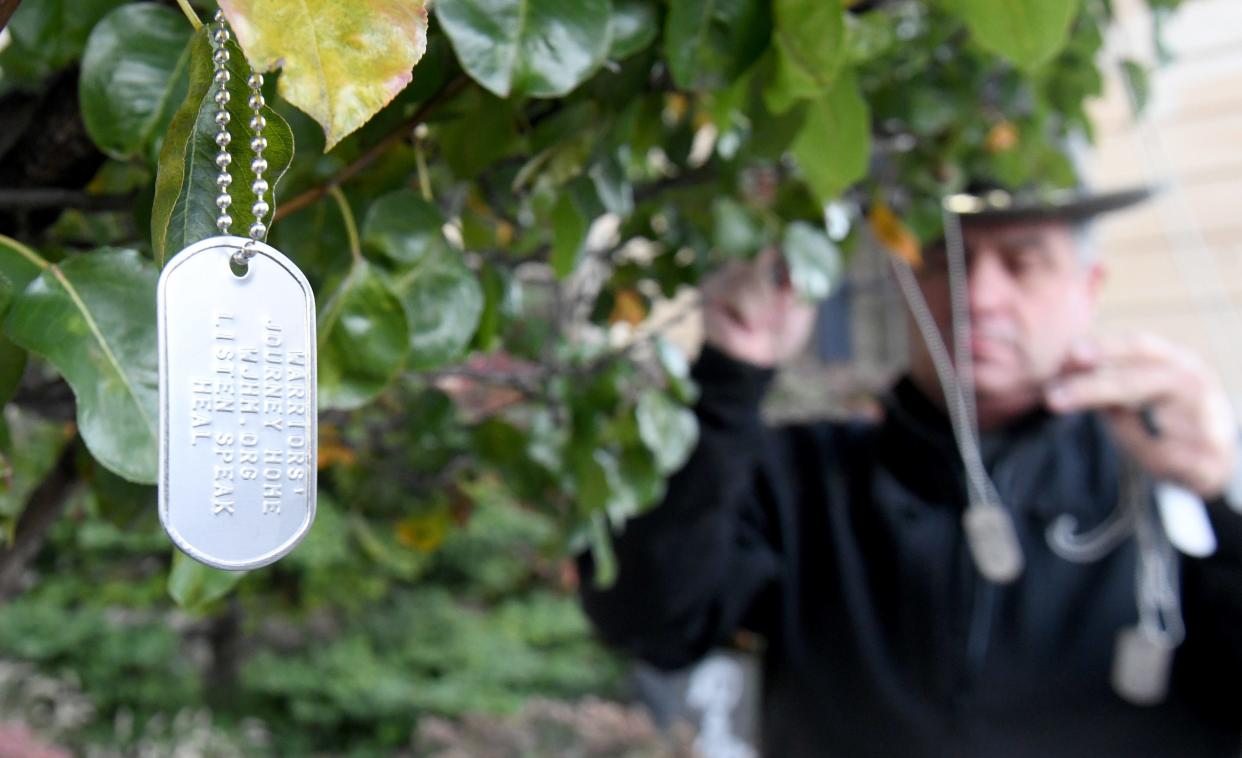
(238, 420)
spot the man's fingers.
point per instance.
(1126, 350)
(1112, 387)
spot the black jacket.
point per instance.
(841, 545)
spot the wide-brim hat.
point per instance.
(985, 203)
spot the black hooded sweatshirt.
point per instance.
(841, 544)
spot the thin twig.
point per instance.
(190, 14)
(375, 152)
(351, 228)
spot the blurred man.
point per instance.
(843, 545)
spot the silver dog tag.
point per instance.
(993, 543)
(238, 422)
(1141, 666)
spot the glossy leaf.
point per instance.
(49, 35)
(809, 37)
(498, 305)
(185, 209)
(93, 318)
(635, 25)
(814, 262)
(734, 231)
(364, 338)
(709, 43)
(404, 227)
(540, 48)
(135, 72)
(194, 586)
(833, 148)
(1027, 32)
(669, 430)
(443, 302)
(340, 62)
(602, 554)
(676, 370)
(19, 265)
(569, 233)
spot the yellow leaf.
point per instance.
(342, 61)
(894, 235)
(628, 307)
(331, 450)
(1001, 137)
(424, 532)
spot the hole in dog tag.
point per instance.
(1185, 520)
(993, 543)
(1141, 663)
(238, 420)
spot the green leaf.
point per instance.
(364, 338)
(485, 134)
(814, 262)
(1138, 83)
(340, 62)
(194, 586)
(443, 302)
(36, 444)
(569, 233)
(676, 370)
(635, 25)
(734, 231)
(668, 429)
(134, 75)
(809, 36)
(710, 43)
(48, 35)
(1027, 32)
(93, 318)
(612, 187)
(498, 295)
(404, 228)
(19, 265)
(602, 553)
(833, 148)
(541, 48)
(185, 210)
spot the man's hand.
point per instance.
(751, 313)
(1190, 436)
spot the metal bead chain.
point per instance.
(220, 58)
(258, 143)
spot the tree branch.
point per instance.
(55, 197)
(373, 154)
(7, 7)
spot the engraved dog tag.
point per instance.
(1141, 663)
(238, 420)
(993, 542)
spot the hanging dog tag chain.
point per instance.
(1143, 653)
(989, 528)
(238, 419)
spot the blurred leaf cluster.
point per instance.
(497, 202)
